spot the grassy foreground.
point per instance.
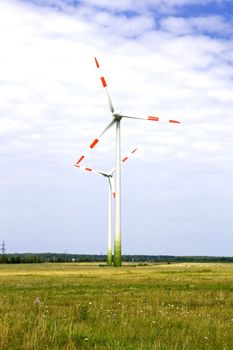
(185, 306)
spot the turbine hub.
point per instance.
(117, 116)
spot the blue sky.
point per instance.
(187, 8)
(167, 58)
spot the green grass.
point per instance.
(185, 306)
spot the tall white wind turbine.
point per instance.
(111, 194)
(116, 120)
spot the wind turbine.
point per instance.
(111, 193)
(116, 120)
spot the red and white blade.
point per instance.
(125, 159)
(154, 119)
(94, 143)
(105, 86)
(91, 170)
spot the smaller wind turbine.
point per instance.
(111, 194)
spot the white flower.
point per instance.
(37, 301)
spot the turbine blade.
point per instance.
(112, 184)
(91, 170)
(153, 119)
(174, 121)
(104, 84)
(111, 179)
(108, 127)
(95, 142)
(125, 159)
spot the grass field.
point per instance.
(185, 306)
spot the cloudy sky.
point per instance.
(168, 58)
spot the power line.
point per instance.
(3, 247)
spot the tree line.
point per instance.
(25, 258)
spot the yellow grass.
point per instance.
(177, 306)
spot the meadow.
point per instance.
(175, 306)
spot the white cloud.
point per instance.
(177, 25)
(211, 24)
(204, 24)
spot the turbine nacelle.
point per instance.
(117, 116)
(107, 175)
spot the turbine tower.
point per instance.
(116, 120)
(111, 194)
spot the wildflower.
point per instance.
(206, 338)
(37, 302)
(85, 338)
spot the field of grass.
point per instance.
(185, 306)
